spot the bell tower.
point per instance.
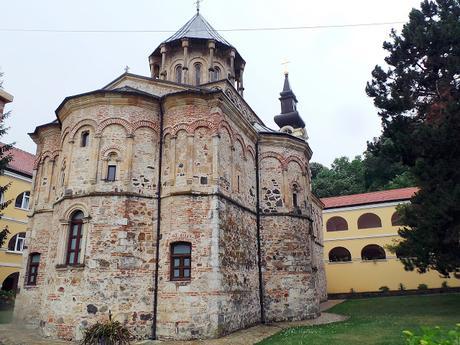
(289, 119)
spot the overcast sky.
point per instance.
(328, 71)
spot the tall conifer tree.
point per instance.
(418, 97)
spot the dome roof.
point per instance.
(198, 28)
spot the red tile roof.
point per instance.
(369, 198)
(22, 162)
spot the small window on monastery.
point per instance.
(16, 243)
(336, 224)
(178, 74)
(22, 200)
(368, 221)
(32, 272)
(238, 183)
(373, 252)
(111, 172)
(396, 219)
(215, 74)
(181, 260)
(197, 74)
(339, 254)
(84, 139)
(156, 71)
(74, 238)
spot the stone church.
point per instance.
(167, 202)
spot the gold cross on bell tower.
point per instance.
(285, 64)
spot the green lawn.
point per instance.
(376, 321)
(5, 316)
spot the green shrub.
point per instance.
(107, 333)
(402, 287)
(444, 285)
(7, 299)
(352, 291)
(434, 336)
(422, 287)
(384, 289)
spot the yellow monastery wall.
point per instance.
(16, 220)
(361, 275)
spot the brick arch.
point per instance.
(181, 126)
(64, 136)
(107, 149)
(297, 160)
(87, 122)
(271, 154)
(251, 151)
(225, 124)
(78, 206)
(201, 123)
(145, 124)
(42, 157)
(240, 139)
(168, 130)
(116, 121)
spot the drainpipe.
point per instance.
(259, 252)
(157, 244)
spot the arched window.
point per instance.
(32, 272)
(339, 254)
(178, 71)
(214, 74)
(84, 138)
(295, 193)
(336, 224)
(197, 73)
(11, 282)
(396, 219)
(156, 71)
(22, 200)
(16, 243)
(112, 164)
(181, 259)
(369, 220)
(74, 238)
(372, 252)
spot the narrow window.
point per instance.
(181, 261)
(84, 139)
(216, 73)
(179, 74)
(197, 74)
(75, 235)
(16, 243)
(238, 185)
(156, 71)
(294, 199)
(32, 272)
(22, 200)
(111, 172)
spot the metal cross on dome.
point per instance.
(197, 3)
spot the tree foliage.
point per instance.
(5, 158)
(417, 94)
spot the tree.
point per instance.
(418, 97)
(345, 177)
(5, 158)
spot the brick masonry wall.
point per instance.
(208, 199)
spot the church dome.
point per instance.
(197, 54)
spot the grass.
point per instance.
(6, 316)
(376, 321)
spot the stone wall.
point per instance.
(208, 198)
(318, 248)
